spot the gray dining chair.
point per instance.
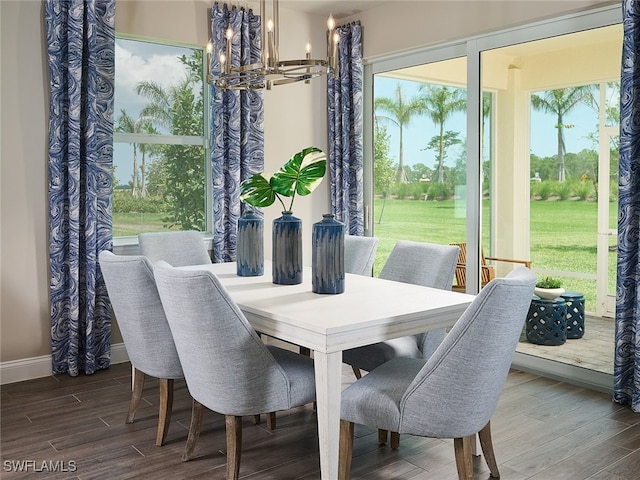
(228, 369)
(454, 393)
(426, 264)
(145, 331)
(179, 249)
(359, 254)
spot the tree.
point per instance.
(441, 143)
(179, 109)
(400, 112)
(560, 102)
(439, 103)
(384, 170)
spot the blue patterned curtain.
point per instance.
(237, 126)
(344, 103)
(81, 42)
(627, 354)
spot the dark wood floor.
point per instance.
(543, 430)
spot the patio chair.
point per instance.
(176, 248)
(488, 271)
(454, 393)
(145, 331)
(227, 367)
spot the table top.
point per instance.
(370, 309)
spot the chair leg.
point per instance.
(487, 449)
(164, 412)
(356, 372)
(197, 412)
(305, 351)
(464, 461)
(271, 420)
(395, 440)
(382, 436)
(234, 445)
(256, 419)
(346, 450)
(136, 394)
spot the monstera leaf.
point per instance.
(300, 175)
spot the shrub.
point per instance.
(545, 189)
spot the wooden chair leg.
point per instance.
(382, 436)
(487, 450)
(197, 412)
(136, 394)
(234, 445)
(395, 440)
(305, 351)
(164, 412)
(271, 420)
(356, 372)
(346, 450)
(464, 459)
(256, 419)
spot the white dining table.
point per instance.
(370, 310)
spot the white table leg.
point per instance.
(328, 369)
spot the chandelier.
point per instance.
(271, 70)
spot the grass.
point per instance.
(563, 235)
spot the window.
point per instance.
(159, 177)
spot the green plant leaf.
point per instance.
(256, 190)
(301, 174)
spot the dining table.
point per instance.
(369, 310)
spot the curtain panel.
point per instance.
(344, 103)
(237, 126)
(626, 388)
(81, 43)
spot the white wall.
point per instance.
(294, 118)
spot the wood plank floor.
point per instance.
(543, 430)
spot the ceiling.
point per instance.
(339, 8)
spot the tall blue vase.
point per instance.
(287, 250)
(250, 245)
(327, 262)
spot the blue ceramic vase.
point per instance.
(250, 245)
(287, 250)
(327, 262)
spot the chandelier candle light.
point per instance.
(270, 70)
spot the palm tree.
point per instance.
(125, 123)
(439, 103)
(560, 102)
(400, 112)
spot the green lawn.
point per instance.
(563, 235)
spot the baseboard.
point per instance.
(38, 367)
(579, 376)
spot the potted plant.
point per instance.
(299, 176)
(549, 288)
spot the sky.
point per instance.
(420, 131)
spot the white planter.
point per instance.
(548, 293)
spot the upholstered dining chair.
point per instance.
(454, 393)
(179, 248)
(228, 369)
(145, 331)
(426, 264)
(359, 254)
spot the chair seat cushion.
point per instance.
(300, 371)
(374, 399)
(370, 357)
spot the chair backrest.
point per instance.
(139, 313)
(426, 264)
(176, 248)
(359, 254)
(461, 267)
(226, 366)
(462, 381)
